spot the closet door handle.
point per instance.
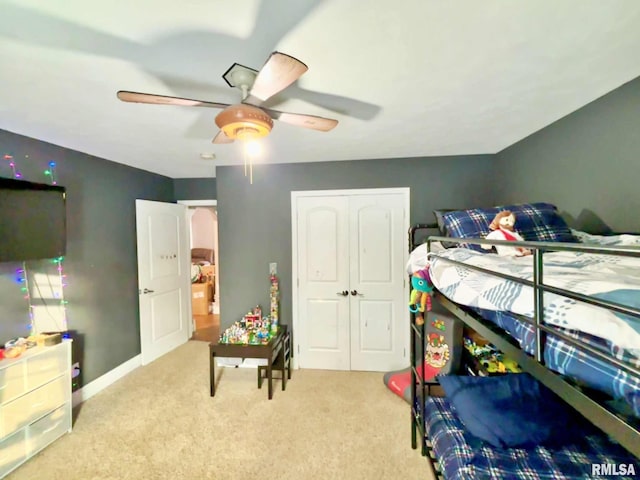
(355, 292)
(344, 293)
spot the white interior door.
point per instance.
(378, 309)
(323, 277)
(163, 277)
(354, 244)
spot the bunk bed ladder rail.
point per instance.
(538, 303)
(419, 394)
(416, 332)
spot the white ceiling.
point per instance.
(405, 78)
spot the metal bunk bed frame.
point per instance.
(617, 428)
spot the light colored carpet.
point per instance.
(159, 422)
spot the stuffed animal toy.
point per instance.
(420, 294)
(502, 228)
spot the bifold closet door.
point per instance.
(351, 274)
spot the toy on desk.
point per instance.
(251, 320)
(420, 294)
(250, 330)
(274, 300)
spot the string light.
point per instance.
(12, 164)
(59, 295)
(62, 277)
(21, 279)
(51, 172)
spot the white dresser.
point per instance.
(35, 402)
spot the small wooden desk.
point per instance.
(268, 351)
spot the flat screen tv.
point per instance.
(32, 220)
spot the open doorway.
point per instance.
(202, 222)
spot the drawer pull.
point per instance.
(51, 428)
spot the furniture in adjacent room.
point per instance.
(201, 298)
(35, 402)
(268, 352)
(202, 256)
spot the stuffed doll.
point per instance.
(420, 294)
(502, 228)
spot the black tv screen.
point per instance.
(32, 220)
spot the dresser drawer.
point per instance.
(47, 429)
(24, 410)
(13, 451)
(11, 382)
(46, 366)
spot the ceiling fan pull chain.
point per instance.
(244, 157)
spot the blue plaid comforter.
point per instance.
(463, 457)
(607, 277)
(567, 360)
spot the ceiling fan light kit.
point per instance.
(244, 122)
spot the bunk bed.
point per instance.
(598, 378)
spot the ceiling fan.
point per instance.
(247, 120)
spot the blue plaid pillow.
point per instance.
(536, 222)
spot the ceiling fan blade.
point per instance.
(136, 97)
(221, 137)
(301, 120)
(280, 71)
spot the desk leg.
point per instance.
(212, 373)
(270, 376)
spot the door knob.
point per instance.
(354, 292)
(344, 293)
(146, 290)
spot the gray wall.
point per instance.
(255, 219)
(195, 188)
(101, 262)
(587, 163)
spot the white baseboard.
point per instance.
(100, 383)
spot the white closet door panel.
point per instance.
(375, 325)
(323, 274)
(378, 306)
